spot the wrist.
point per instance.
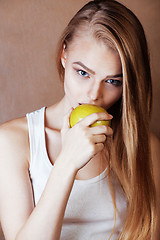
(64, 166)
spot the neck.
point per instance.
(55, 114)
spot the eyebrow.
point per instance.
(86, 68)
(92, 72)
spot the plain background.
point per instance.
(29, 32)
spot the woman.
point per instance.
(58, 182)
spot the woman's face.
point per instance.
(93, 73)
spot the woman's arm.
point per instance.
(16, 201)
(155, 153)
(20, 220)
(45, 222)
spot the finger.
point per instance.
(92, 118)
(101, 130)
(99, 138)
(99, 147)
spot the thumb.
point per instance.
(66, 124)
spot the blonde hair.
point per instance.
(130, 158)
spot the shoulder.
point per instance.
(155, 155)
(154, 138)
(14, 140)
(155, 146)
(16, 196)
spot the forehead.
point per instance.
(87, 36)
(94, 53)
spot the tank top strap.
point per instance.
(35, 122)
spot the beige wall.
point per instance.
(29, 31)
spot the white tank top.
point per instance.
(89, 213)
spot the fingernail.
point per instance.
(110, 116)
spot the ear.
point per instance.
(64, 56)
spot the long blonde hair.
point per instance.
(130, 161)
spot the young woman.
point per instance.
(84, 182)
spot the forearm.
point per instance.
(45, 222)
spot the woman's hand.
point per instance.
(81, 142)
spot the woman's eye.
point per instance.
(82, 73)
(114, 82)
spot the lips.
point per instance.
(86, 103)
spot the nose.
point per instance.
(95, 92)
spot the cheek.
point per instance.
(71, 88)
(112, 97)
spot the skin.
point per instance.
(20, 220)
